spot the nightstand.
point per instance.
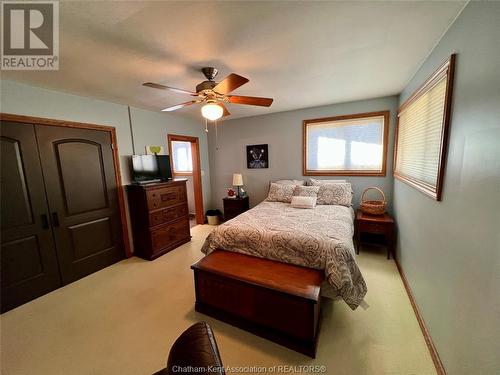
(235, 206)
(376, 224)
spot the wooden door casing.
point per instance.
(29, 265)
(196, 160)
(82, 195)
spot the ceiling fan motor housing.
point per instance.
(210, 73)
(205, 85)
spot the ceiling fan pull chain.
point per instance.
(206, 125)
(216, 136)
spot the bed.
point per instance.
(319, 238)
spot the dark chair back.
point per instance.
(194, 351)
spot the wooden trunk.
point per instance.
(278, 301)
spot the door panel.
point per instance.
(19, 212)
(82, 194)
(91, 237)
(29, 266)
(82, 160)
(22, 260)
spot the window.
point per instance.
(352, 145)
(181, 156)
(422, 132)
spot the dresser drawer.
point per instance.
(166, 197)
(373, 227)
(234, 203)
(167, 214)
(170, 234)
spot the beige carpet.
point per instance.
(123, 319)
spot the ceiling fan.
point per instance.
(214, 94)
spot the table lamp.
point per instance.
(238, 181)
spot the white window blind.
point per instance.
(181, 155)
(345, 145)
(421, 133)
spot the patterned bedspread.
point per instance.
(318, 238)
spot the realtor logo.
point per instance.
(30, 35)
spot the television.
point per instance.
(149, 168)
(163, 162)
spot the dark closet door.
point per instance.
(28, 258)
(82, 195)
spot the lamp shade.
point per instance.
(212, 111)
(237, 179)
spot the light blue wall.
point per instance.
(150, 128)
(283, 133)
(450, 250)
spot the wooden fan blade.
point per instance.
(179, 106)
(163, 87)
(250, 100)
(226, 112)
(230, 83)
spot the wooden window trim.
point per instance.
(346, 172)
(447, 68)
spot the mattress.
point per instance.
(319, 238)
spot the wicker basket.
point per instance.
(373, 207)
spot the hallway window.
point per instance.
(181, 155)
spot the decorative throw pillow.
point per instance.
(340, 194)
(290, 182)
(303, 202)
(280, 193)
(306, 191)
(314, 182)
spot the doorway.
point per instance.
(184, 154)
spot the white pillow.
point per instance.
(303, 202)
(290, 182)
(314, 182)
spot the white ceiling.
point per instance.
(302, 54)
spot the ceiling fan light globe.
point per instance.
(212, 111)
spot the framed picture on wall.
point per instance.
(257, 157)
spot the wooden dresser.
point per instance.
(160, 217)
